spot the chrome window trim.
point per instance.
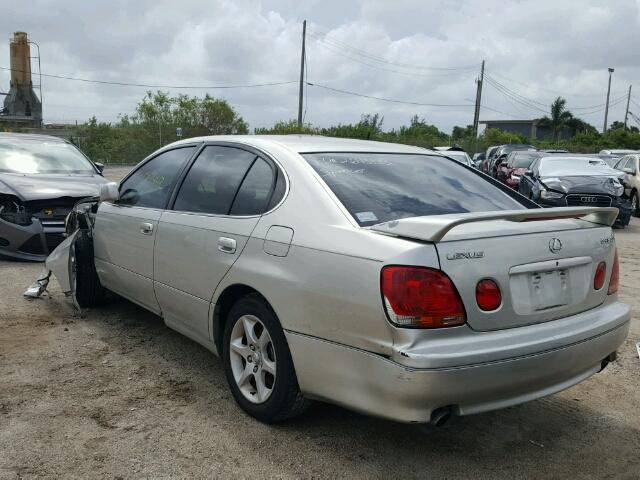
(249, 148)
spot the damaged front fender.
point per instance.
(60, 263)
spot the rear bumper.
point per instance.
(379, 386)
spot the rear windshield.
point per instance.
(461, 157)
(379, 187)
(523, 160)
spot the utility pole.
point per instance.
(626, 115)
(606, 107)
(302, 60)
(476, 114)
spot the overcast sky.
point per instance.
(409, 50)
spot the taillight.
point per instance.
(420, 297)
(599, 277)
(488, 295)
(615, 275)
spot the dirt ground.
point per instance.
(116, 394)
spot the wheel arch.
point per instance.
(225, 301)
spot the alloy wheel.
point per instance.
(252, 358)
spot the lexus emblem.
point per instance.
(555, 245)
(588, 199)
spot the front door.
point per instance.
(125, 230)
(214, 213)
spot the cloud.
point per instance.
(538, 49)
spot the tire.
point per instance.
(635, 204)
(85, 284)
(280, 397)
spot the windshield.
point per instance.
(574, 167)
(27, 155)
(378, 187)
(461, 157)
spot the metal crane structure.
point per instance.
(22, 107)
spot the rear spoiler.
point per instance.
(434, 227)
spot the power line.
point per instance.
(385, 69)
(145, 85)
(516, 94)
(322, 36)
(532, 104)
(497, 111)
(589, 107)
(512, 96)
(391, 100)
(555, 92)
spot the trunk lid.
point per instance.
(545, 268)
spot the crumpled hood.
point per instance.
(607, 185)
(45, 186)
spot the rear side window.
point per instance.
(255, 191)
(213, 180)
(379, 187)
(151, 185)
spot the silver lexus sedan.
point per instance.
(385, 278)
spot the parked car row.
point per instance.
(557, 178)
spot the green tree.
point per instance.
(287, 128)
(154, 124)
(559, 117)
(620, 125)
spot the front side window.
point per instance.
(379, 187)
(213, 180)
(151, 185)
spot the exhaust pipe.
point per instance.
(608, 359)
(440, 416)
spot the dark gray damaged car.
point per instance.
(41, 179)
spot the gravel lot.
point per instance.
(116, 394)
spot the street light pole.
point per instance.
(606, 108)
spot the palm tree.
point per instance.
(559, 117)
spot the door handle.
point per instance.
(227, 245)
(146, 228)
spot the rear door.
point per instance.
(125, 231)
(199, 238)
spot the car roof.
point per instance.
(9, 136)
(311, 143)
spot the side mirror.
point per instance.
(629, 171)
(99, 166)
(528, 173)
(129, 197)
(109, 192)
